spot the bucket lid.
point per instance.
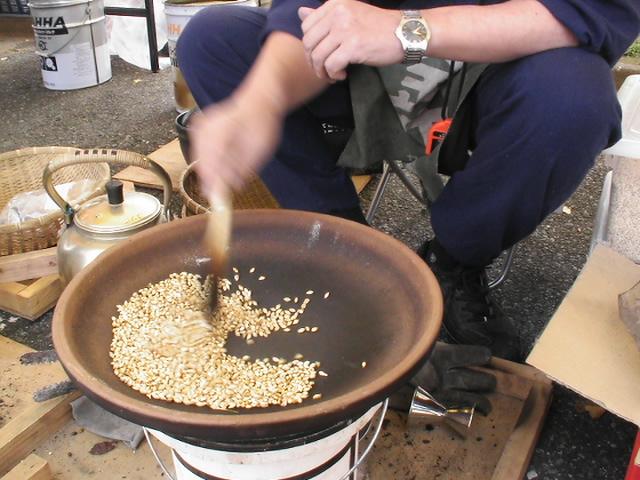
(629, 99)
(191, 4)
(115, 213)
(56, 3)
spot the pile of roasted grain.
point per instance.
(165, 347)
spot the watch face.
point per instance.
(414, 31)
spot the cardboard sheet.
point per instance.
(586, 347)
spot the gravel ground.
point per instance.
(135, 111)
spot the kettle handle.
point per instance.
(113, 157)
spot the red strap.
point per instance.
(633, 472)
(436, 134)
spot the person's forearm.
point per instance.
(494, 33)
(281, 78)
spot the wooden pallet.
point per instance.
(29, 283)
(499, 447)
(30, 298)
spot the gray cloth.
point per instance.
(393, 109)
(97, 420)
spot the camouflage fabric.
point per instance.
(416, 91)
(393, 109)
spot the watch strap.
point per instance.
(411, 14)
(413, 55)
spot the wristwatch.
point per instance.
(414, 35)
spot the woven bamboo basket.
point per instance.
(21, 171)
(254, 195)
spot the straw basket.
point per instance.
(21, 171)
(254, 195)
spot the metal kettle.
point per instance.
(108, 219)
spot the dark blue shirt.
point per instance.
(606, 27)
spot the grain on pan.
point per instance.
(165, 347)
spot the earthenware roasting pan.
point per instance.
(384, 308)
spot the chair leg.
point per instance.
(379, 193)
(151, 36)
(391, 167)
(407, 182)
(505, 269)
(601, 223)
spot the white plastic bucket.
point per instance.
(178, 15)
(629, 98)
(71, 40)
(331, 458)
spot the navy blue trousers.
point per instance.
(537, 124)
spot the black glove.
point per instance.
(447, 378)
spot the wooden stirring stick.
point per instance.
(216, 240)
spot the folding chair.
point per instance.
(337, 134)
(392, 167)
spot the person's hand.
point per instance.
(341, 32)
(447, 377)
(231, 140)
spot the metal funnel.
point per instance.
(425, 410)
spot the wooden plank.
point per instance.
(11, 289)
(19, 381)
(434, 452)
(510, 384)
(497, 446)
(360, 181)
(24, 266)
(67, 451)
(128, 186)
(30, 299)
(169, 157)
(9, 296)
(31, 427)
(31, 468)
(41, 295)
(520, 369)
(519, 449)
